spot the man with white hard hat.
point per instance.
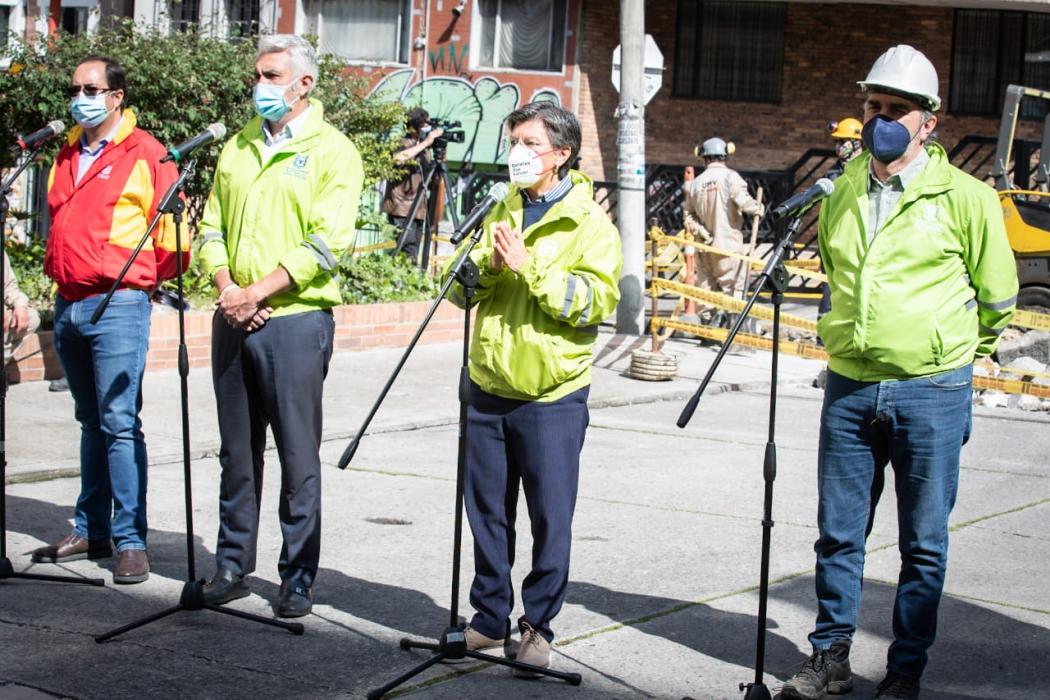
(714, 204)
(922, 282)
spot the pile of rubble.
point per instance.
(1023, 355)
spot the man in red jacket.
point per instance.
(103, 191)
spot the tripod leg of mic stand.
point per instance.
(570, 678)
(138, 623)
(7, 570)
(293, 627)
(380, 692)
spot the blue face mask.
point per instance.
(269, 101)
(886, 138)
(89, 111)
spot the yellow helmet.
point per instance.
(848, 128)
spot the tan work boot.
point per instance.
(476, 641)
(534, 650)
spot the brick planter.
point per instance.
(357, 327)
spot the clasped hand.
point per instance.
(242, 308)
(509, 248)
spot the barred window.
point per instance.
(362, 30)
(992, 49)
(521, 34)
(729, 50)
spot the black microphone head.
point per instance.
(218, 131)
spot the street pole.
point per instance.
(630, 314)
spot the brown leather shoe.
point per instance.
(132, 566)
(73, 547)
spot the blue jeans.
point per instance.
(104, 364)
(919, 427)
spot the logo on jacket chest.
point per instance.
(297, 168)
(105, 173)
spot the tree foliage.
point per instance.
(178, 84)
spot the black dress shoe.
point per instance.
(224, 587)
(294, 600)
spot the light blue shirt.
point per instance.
(884, 196)
(89, 156)
(271, 141)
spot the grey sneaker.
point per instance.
(896, 686)
(534, 650)
(825, 673)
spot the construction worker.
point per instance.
(715, 202)
(848, 144)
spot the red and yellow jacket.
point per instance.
(96, 223)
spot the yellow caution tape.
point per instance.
(812, 351)
(793, 266)
(1031, 319)
(385, 245)
(728, 303)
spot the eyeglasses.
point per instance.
(509, 143)
(89, 90)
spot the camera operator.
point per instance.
(397, 203)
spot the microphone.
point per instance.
(798, 203)
(215, 132)
(39, 136)
(496, 194)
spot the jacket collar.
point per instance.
(934, 178)
(128, 122)
(310, 130)
(574, 204)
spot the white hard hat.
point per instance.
(716, 147)
(904, 71)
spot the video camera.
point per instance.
(453, 132)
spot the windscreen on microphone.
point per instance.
(801, 201)
(495, 195)
(52, 129)
(214, 132)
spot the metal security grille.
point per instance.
(243, 16)
(184, 15)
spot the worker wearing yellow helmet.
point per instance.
(848, 144)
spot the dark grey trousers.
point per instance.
(272, 377)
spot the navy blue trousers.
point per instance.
(272, 377)
(537, 444)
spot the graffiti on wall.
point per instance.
(480, 105)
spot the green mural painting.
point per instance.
(481, 105)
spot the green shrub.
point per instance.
(180, 83)
(368, 279)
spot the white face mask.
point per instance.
(525, 166)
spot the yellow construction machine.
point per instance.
(1026, 212)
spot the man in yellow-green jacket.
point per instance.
(922, 281)
(549, 261)
(282, 209)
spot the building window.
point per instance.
(729, 50)
(521, 34)
(74, 20)
(242, 17)
(992, 49)
(362, 30)
(5, 23)
(184, 15)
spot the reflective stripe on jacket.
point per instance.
(296, 209)
(934, 288)
(97, 222)
(534, 331)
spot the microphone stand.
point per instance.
(776, 276)
(452, 644)
(192, 597)
(7, 570)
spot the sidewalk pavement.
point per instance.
(662, 599)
